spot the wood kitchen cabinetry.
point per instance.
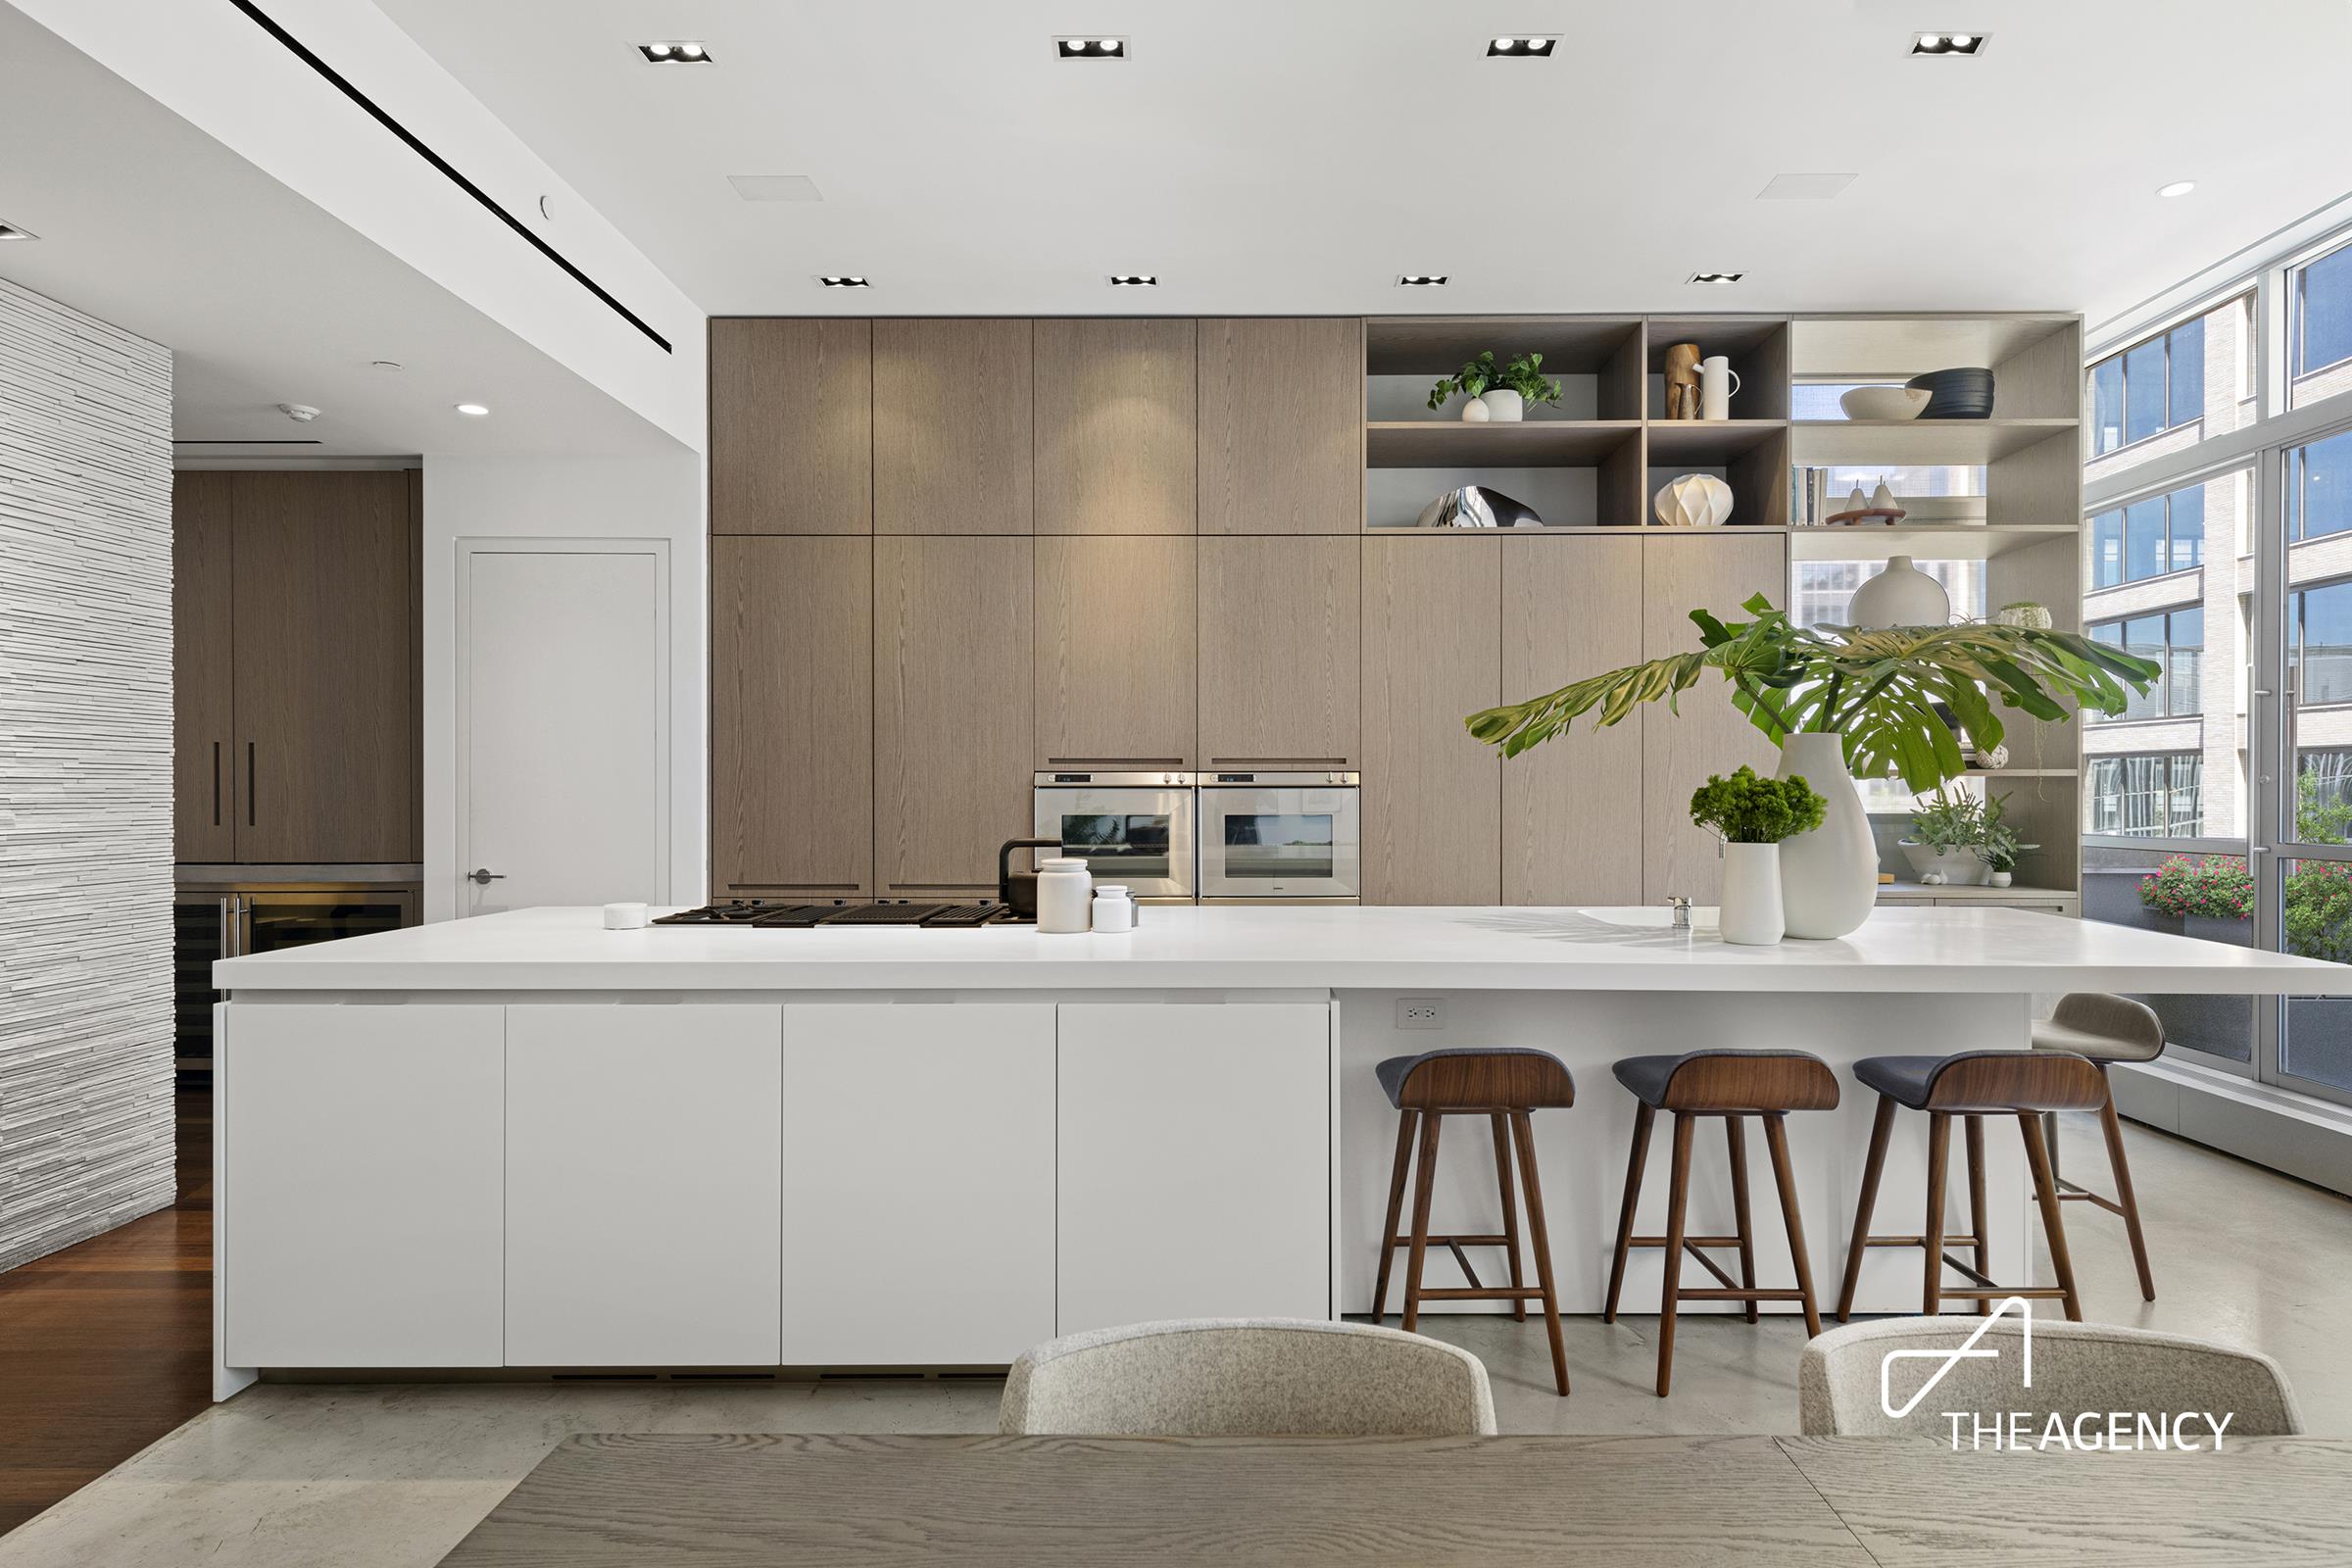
(1432, 795)
(1116, 674)
(1280, 652)
(792, 427)
(1116, 452)
(792, 718)
(1282, 427)
(953, 432)
(207, 770)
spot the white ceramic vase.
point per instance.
(1502, 404)
(1829, 876)
(1901, 595)
(1751, 914)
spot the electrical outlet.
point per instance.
(1420, 1012)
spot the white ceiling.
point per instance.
(262, 299)
(1295, 155)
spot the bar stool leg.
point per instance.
(1525, 1132)
(1881, 1130)
(1775, 1139)
(1642, 1117)
(1940, 1159)
(1735, 1134)
(2045, 1191)
(1670, 1294)
(1510, 1210)
(2125, 1198)
(1405, 1121)
(1425, 1181)
(1975, 1128)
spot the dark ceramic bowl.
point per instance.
(1963, 393)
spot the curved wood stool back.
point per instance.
(1734, 1085)
(1972, 1085)
(1503, 1086)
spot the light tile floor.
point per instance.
(391, 1476)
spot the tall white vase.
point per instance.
(1830, 876)
(1751, 914)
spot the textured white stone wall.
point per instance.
(85, 776)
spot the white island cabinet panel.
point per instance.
(644, 1148)
(360, 1188)
(919, 1183)
(1195, 1172)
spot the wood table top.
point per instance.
(779, 1501)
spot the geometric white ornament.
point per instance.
(1695, 500)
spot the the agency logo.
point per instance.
(2185, 1430)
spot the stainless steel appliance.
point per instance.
(1297, 837)
(1134, 829)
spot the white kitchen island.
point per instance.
(522, 1141)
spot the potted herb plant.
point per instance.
(1752, 815)
(1962, 841)
(1502, 393)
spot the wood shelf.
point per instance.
(1523, 444)
(1708, 443)
(1929, 541)
(1825, 442)
(2019, 893)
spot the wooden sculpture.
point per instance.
(1682, 381)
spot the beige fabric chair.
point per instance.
(2078, 1368)
(1248, 1377)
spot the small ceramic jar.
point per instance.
(1064, 890)
(1115, 909)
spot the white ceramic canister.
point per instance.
(1750, 914)
(1115, 909)
(1066, 888)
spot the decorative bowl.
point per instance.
(1962, 393)
(1474, 505)
(1884, 402)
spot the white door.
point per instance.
(563, 719)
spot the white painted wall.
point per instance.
(567, 498)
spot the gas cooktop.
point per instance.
(777, 917)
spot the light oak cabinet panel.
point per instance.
(952, 427)
(1572, 815)
(791, 427)
(1716, 571)
(1282, 427)
(954, 728)
(1116, 621)
(205, 765)
(792, 716)
(1116, 452)
(1280, 651)
(324, 661)
(1433, 796)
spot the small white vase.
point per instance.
(1475, 411)
(1830, 876)
(1900, 596)
(1504, 405)
(1752, 915)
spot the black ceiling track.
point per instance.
(448, 172)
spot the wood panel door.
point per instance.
(1433, 796)
(1116, 447)
(205, 765)
(324, 648)
(1280, 651)
(953, 430)
(1281, 426)
(1572, 815)
(1116, 676)
(1715, 571)
(791, 427)
(792, 718)
(955, 714)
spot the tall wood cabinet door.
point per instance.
(1282, 427)
(323, 648)
(1572, 815)
(792, 446)
(792, 716)
(1115, 668)
(1115, 411)
(1280, 651)
(1433, 796)
(953, 430)
(205, 771)
(954, 725)
(1716, 571)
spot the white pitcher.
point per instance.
(1717, 381)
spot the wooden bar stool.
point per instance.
(2105, 1029)
(1734, 1085)
(1972, 1085)
(1502, 1084)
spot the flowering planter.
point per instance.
(2237, 932)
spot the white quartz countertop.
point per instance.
(1338, 948)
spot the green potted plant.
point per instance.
(1497, 393)
(2212, 895)
(1959, 839)
(1752, 815)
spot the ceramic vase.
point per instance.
(1752, 915)
(1504, 405)
(1475, 411)
(1830, 876)
(1900, 596)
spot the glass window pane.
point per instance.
(2185, 815)
(2316, 897)
(2325, 655)
(2143, 539)
(2107, 549)
(2324, 300)
(2144, 636)
(2107, 405)
(2188, 372)
(2318, 498)
(2185, 666)
(2144, 391)
(2189, 527)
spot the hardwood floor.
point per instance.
(107, 1345)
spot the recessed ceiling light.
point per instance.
(676, 52)
(2178, 188)
(843, 280)
(1135, 280)
(1520, 46)
(473, 411)
(1953, 45)
(1090, 48)
(1420, 279)
(1715, 277)
(12, 231)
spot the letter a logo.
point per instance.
(1966, 1350)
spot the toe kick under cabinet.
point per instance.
(822, 1182)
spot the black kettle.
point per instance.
(1018, 890)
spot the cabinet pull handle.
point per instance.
(250, 782)
(216, 783)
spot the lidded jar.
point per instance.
(1065, 891)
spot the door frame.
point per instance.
(461, 744)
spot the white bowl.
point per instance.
(1884, 402)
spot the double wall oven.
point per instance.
(1255, 837)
